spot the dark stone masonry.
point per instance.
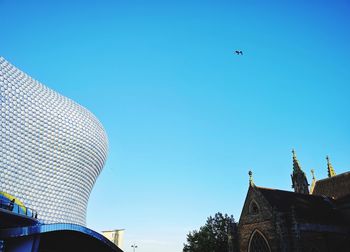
(315, 219)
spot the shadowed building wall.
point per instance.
(276, 220)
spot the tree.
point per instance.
(219, 234)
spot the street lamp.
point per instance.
(134, 246)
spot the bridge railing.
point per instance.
(22, 210)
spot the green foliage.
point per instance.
(217, 235)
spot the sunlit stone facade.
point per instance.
(51, 149)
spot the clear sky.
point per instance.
(186, 117)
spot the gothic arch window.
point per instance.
(258, 243)
(254, 207)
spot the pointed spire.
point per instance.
(313, 174)
(331, 171)
(313, 181)
(299, 180)
(296, 165)
(251, 182)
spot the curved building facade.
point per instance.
(51, 149)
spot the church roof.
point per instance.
(336, 187)
(344, 202)
(308, 208)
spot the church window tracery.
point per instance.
(254, 208)
(258, 243)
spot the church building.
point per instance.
(315, 219)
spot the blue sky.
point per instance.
(186, 117)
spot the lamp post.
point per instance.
(134, 246)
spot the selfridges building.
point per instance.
(51, 149)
